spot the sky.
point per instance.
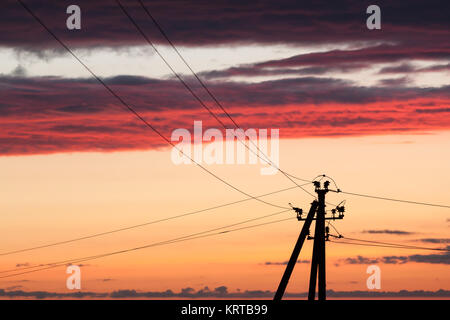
(369, 108)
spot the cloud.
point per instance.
(218, 23)
(433, 110)
(50, 295)
(343, 61)
(403, 68)
(49, 114)
(431, 258)
(409, 68)
(219, 292)
(434, 68)
(26, 264)
(254, 71)
(42, 115)
(386, 294)
(190, 293)
(395, 81)
(19, 71)
(361, 260)
(387, 231)
(435, 240)
(14, 288)
(441, 258)
(78, 265)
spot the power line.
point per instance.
(383, 198)
(143, 34)
(399, 246)
(129, 108)
(396, 200)
(385, 243)
(387, 246)
(141, 224)
(339, 234)
(188, 236)
(198, 235)
(396, 244)
(176, 240)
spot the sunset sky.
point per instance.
(369, 108)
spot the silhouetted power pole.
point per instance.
(321, 234)
(318, 257)
(298, 246)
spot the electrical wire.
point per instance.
(134, 112)
(387, 246)
(330, 224)
(129, 108)
(95, 235)
(395, 244)
(198, 235)
(384, 198)
(144, 35)
(396, 200)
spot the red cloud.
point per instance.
(46, 115)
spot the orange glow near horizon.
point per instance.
(50, 198)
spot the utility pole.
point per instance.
(298, 246)
(318, 257)
(321, 234)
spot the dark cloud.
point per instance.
(318, 63)
(130, 80)
(254, 71)
(360, 260)
(78, 265)
(409, 68)
(434, 68)
(49, 295)
(224, 22)
(395, 259)
(386, 294)
(364, 56)
(403, 68)
(435, 240)
(14, 288)
(19, 71)
(433, 110)
(26, 264)
(82, 109)
(402, 81)
(387, 231)
(430, 258)
(441, 258)
(219, 292)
